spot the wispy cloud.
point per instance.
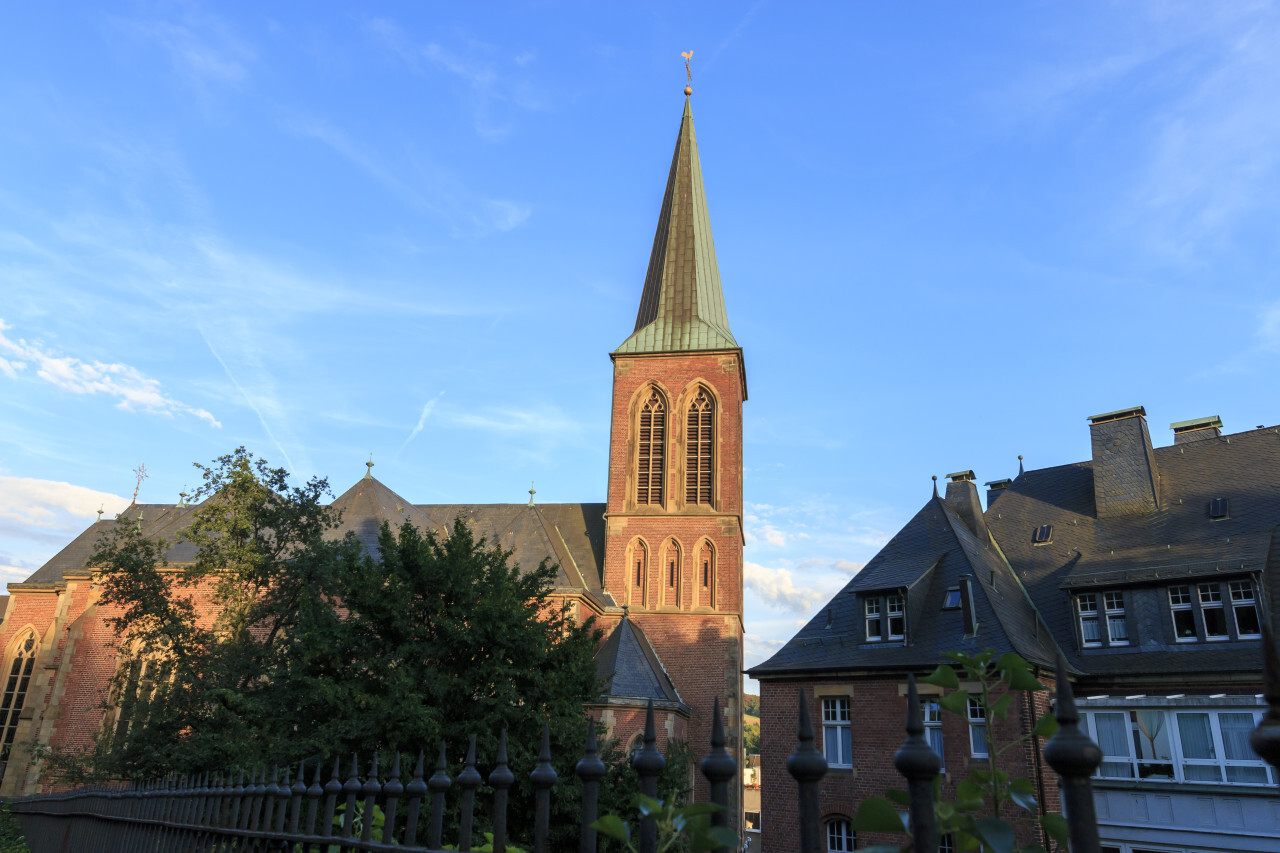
(134, 390)
(778, 588)
(39, 517)
(422, 419)
(494, 78)
(200, 46)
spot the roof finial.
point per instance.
(182, 497)
(1020, 472)
(935, 485)
(100, 511)
(625, 610)
(688, 57)
(368, 474)
(532, 492)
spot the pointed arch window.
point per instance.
(706, 579)
(15, 693)
(638, 568)
(699, 449)
(653, 442)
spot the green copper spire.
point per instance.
(682, 306)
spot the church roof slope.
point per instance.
(682, 305)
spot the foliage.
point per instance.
(680, 826)
(317, 648)
(621, 784)
(976, 817)
(751, 704)
(11, 837)
(751, 737)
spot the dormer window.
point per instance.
(1200, 612)
(952, 599)
(1219, 508)
(886, 617)
(1098, 609)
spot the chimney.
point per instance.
(995, 488)
(1125, 480)
(1196, 429)
(962, 497)
(966, 605)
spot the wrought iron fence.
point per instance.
(370, 811)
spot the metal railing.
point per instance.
(368, 812)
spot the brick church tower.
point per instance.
(674, 537)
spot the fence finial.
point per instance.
(1075, 758)
(590, 770)
(468, 780)
(393, 790)
(719, 767)
(438, 783)
(807, 766)
(919, 765)
(1265, 739)
(543, 777)
(649, 765)
(501, 779)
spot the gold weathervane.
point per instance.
(688, 57)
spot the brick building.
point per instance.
(1151, 569)
(658, 564)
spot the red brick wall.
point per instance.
(878, 712)
(696, 630)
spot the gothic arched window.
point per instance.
(652, 445)
(706, 574)
(699, 449)
(15, 693)
(638, 569)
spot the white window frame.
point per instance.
(836, 720)
(1243, 595)
(1210, 598)
(1087, 612)
(1113, 607)
(977, 716)
(874, 613)
(1180, 601)
(1178, 760)
(895, 608)
(840, 836)
(931, 716)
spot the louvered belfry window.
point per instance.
(653, 440)
(15, 693)
(698, 449)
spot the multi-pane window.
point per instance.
(1211, 611)
(837, 736)
(977, 728)
(886, 617)
(931, 714)
(840, 837)
(1200, 612)
(875, 619)
(651, 465)
(1098, 609)
(15, 693)
(1190, 745)
(1245, 609)
(896, 607)
(699, 449)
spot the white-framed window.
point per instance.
(1179, 745)
(1212, 612)
(875, 619)
(1090, 624)
(977, 728)
(896, 607)
(1245, 609)
(1117, 630)
(840, 838)
(1184, 618)
(931, 714)
(837, 735)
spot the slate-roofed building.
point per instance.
(1150, 569)
(658, 563)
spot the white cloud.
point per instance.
(777, 587)
(422, 419)
(135, 391)
(52, 504)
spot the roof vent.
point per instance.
(1220, 508)
(1196, 429)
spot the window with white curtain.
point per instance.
(1178, 745)
(931, 713)
(837, 735)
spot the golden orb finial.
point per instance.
(688, 90)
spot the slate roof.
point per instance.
(682, 305)
(630, 668)
(571, 535)
(1029, 609)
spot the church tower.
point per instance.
(674, 532)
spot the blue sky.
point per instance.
(947, 233)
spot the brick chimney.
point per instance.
(1196, 429)
(962, 497)
(1125, 479)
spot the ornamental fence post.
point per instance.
(919, 765)
(1075, 758)
(807, 766)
